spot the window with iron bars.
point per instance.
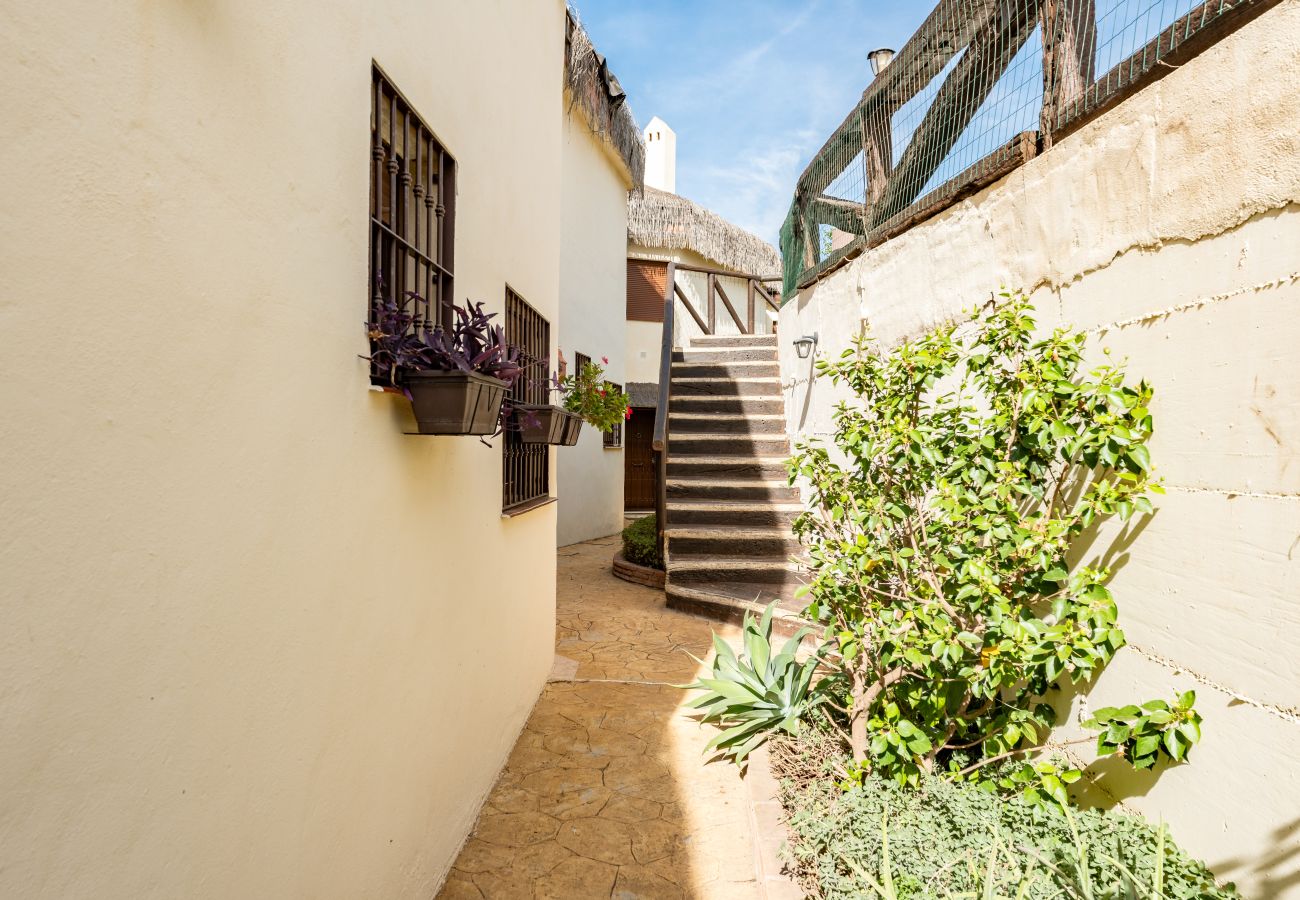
(412, 210)
(526, 468)
(614, 437)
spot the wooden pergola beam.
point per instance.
(951, 26)
(1069, 59)
(842, 214)
(959, 98)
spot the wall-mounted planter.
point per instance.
(540, 424)
(455, 402)
(572, 429)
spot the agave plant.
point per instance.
(756, 693)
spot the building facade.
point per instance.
(261, 641)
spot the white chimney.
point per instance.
(661, 156)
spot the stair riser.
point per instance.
(706, 491)
(769, 471)
(728, 405)
(772, 578)
(758, 548)
(716, 425)
(726, 355)
(725, 387)
(724, 612)
(756, 518)
(708, 342)
(682, 444)
(725, 370)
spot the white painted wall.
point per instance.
(1171, 228)
(593, 315)
(660, 156)
(258, 643)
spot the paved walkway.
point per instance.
(606, 793)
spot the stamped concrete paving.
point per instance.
(606, 793)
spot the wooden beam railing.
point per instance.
(756, 289)
(659, 442)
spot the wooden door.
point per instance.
(640, 475)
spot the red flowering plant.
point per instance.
(587, 393)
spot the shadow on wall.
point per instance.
(1271, 883)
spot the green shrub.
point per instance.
(640, 545)
(948, 838)
(971, 462)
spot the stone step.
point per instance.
(726, 354)
(730, 603)
(692, 444)
(770, 542)
(747, 513)
(680, 423)
(746, 369)
(779, 574)
(710, 341)
(758, 404)
(771, 468)
(726, 387)
(709, 487)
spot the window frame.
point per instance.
(412, 211)
(613, 439)
(526, 468)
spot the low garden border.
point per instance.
(642, 575)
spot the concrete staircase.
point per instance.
(729, 508)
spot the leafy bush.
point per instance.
(948, 839)
(1142, 733)
(757, 693)
(640, 543)
(939, 533)
(587, 393)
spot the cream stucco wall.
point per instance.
(258, 643)
(593, 311)
(1170, 227)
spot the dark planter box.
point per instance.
(455, 402)
(572, 429)
(539, 424)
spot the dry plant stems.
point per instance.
(940, 538)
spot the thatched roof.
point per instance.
(594, 89)
(642, 393)
(665, 221)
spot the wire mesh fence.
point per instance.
(983, 86)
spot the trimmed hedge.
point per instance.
(639, 543)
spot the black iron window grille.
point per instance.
(526, 468)
(412, 210)
(614, 437)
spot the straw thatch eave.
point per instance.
(593, 89)
(664, 221)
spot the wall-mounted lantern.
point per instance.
(803, 346)
(879, 59)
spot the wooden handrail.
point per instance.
(659, 443)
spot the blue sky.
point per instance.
(752, 87)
